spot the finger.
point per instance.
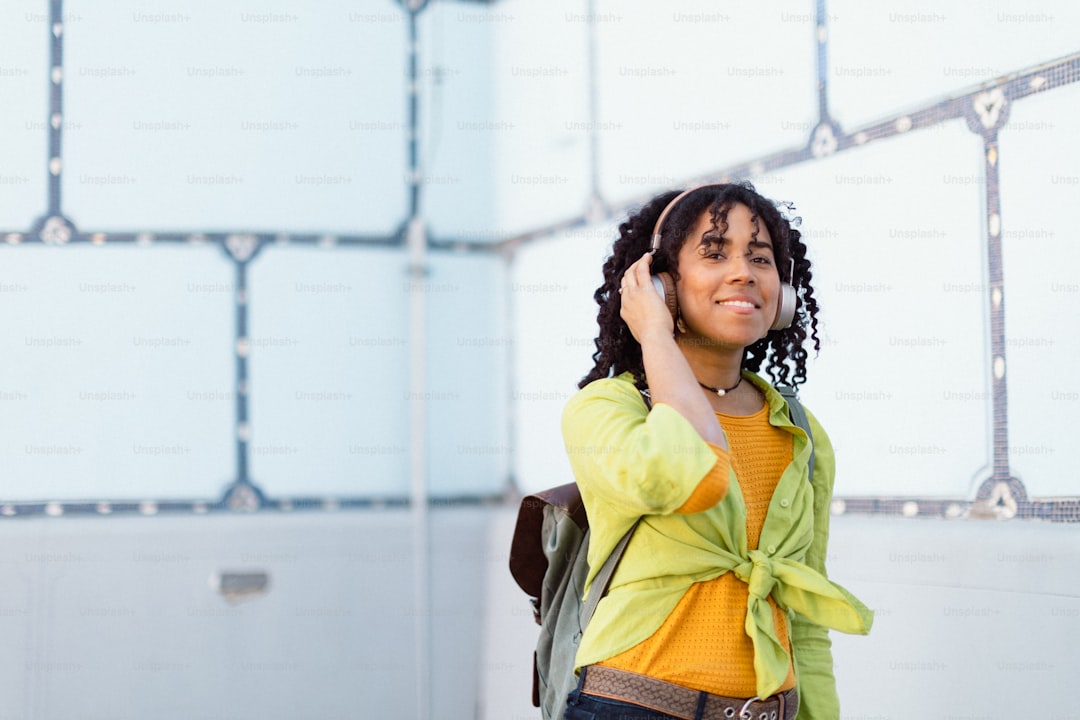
(640, 269)
(631, 271)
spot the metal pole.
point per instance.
(1001, 472)
(416, 242)
(822, 37)
(596, 204)
(418, 491)
(56, 104)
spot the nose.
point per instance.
(740, 270)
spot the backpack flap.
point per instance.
(528, 563)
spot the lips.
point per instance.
(739, 301)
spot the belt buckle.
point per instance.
(778, 714)
(744, 711)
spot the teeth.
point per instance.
(739, 303)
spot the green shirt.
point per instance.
(630, 462)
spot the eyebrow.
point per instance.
(712, 238)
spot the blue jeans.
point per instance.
(580, 706)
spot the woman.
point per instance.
(720, 606)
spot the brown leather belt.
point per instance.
(682, 702)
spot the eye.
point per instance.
(761, 260)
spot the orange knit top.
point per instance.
(703, 643)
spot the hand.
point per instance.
(643, 310)
(671, 379)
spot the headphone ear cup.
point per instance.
(785, 307)
(665, 286)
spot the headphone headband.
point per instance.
(657, 232)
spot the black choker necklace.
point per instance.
(720, 391)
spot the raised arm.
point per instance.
(671, 381)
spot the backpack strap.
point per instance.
(798, 416)
(600, 583)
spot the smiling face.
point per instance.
(728, 284)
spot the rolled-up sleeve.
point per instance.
(713, 487)
(637, 461)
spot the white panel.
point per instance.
(254, 116)
(1040, 188)
(690, 87)
(123, 617)
(457, 105)
(895, 234)
(118, 373)
(329, 372)
(955, 604)
(24, 85)
(540, 127)
(19, 598)
(885, 57)
(555, 320)
(467, 354)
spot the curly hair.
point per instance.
(616, 349)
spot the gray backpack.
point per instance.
(549, 561)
